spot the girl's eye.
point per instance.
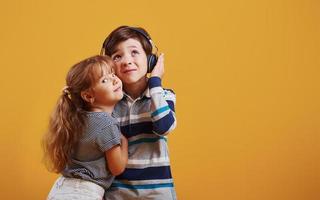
(104, 80)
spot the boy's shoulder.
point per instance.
(169, 94)
(169, 90)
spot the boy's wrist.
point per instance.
(154, 81)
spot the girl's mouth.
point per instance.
(118, 89)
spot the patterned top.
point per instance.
(88, 159)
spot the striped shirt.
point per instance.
(145, 122)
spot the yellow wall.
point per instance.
(246, 74)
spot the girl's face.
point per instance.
(108, 89)
(130, 60)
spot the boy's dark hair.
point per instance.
(124, 33)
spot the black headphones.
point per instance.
(151, 58)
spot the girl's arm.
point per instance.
(117, 157)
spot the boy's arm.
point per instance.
(162, 107)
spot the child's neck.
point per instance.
(135, 90)
(107, 109)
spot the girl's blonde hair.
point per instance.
(68, 119)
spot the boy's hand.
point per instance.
(158, 70)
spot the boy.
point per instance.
(146, 115)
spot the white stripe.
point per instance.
(144, 135)
(156, 90)
(134, 117)
(161, 115)
(149, 161)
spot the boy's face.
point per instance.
(130, 60)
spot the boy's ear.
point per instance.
(87, 96)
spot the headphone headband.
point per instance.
(140, 31)
(145, 34)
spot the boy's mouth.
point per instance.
(129, 70)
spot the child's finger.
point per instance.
(161, 56)
(160, 59)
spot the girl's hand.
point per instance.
(124, 140)
(158, 70)
(117, 157)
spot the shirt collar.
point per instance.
(146, 94)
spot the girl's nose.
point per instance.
(115, 80)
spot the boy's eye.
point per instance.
(134, 52)
(116, 58)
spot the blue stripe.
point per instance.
(146, 186)
(146, 140)
(160, 110)
(162, 125)
(171, 105)
(149, 173)
(154, 82)
(131, 130)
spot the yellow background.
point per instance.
(246, 75)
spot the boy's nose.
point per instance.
(128, 63)
(127, 60)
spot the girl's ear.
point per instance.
(87, 96)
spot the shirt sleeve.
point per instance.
(109, 137)
(162, 107)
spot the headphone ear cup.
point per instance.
(152, 61)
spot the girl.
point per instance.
(84, 142)
(146, 115)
